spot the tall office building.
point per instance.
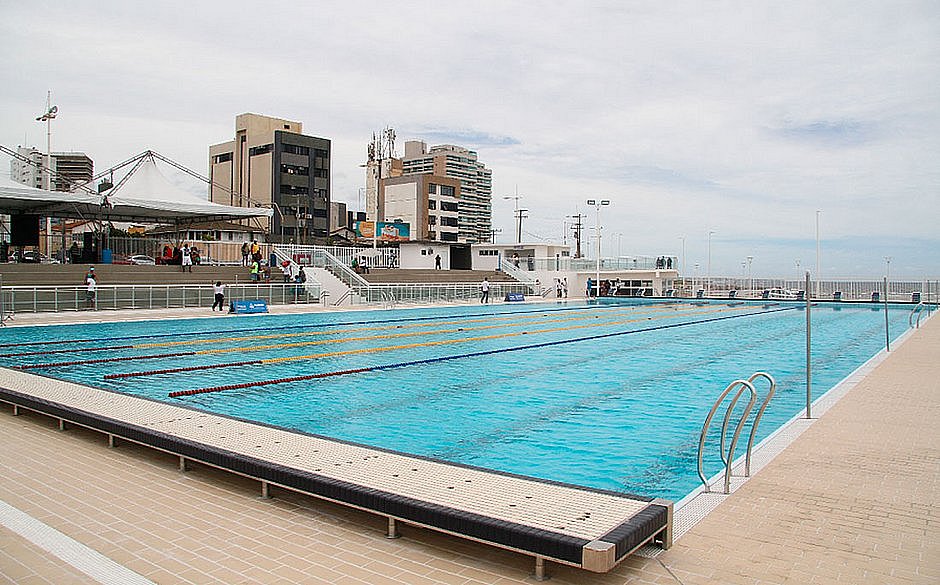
(476, 183)
(428, 203)
(271, 163)
(69, 169)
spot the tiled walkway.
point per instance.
(853, 500)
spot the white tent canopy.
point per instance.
(144, 196)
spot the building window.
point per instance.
(432, 204)
(292, 190)
(221, 158)
(432, 188)
(447, 190)
(320, 153)
(321, 173)
(447, 206)
(319, 212)
(295, 149)
(445, 237)
(450, 221)
(263, 149)
(432, 220)
(295, 170)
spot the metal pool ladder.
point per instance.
(917, 310)
(728, 457)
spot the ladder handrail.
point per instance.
(918, 309)
(760, 413)
(744, 384)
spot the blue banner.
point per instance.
(242, 307)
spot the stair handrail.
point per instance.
(744, 385)
(331, 261)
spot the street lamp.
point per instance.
(708, 269)
(798, 274)
(750, 281)
(817, 255)
(598, 203)
(683, 253)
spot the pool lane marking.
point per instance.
(383, 349)
(526, 315)
(317, 325)
(263, 361)
(105, 360)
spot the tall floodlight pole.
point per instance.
(598, 203)
(47, 117)
(708, 269)
(818, 271)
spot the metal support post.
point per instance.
(540, 569)
(809, 367)
(111, 441)
(392, 529)
(182, 464)
(265, 490)
(61, 424)
(887, 334)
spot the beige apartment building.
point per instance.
(476, 183)
(429, 203)
(271, 163)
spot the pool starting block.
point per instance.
(244, 307)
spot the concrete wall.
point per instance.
(420, 255)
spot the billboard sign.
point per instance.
(388, 231)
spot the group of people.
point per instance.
(664, 262)
(251, 252)
(184, 255)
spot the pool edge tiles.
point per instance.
(584, 527)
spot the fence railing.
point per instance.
(432, 293)
(849, 290)
(568, 264)
(372, 257)
(37, 299)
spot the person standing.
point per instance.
(437, 262)
(485, 290)
(219, 289)
(186, 258)
(246, 253)
(91, 287)
(255, 270)
(286, 271)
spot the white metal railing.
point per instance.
(569, 264)
(373, 257)
(36, 299)
(392, 294)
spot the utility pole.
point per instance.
(576, 227)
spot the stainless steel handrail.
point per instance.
(757, 417)
(918, 310)
(744, 384)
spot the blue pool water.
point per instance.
(608, 395)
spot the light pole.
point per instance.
(598, 203)
(708, 269)
(683, 253)
(694, 277)
(47, 117)
(619, 245)
(750, 281)
(887, 274)
(517, 214)
(798, 274)
(817, 255)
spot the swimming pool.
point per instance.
(608, 395)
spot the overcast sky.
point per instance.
(741, 118)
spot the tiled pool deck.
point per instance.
(853, 500)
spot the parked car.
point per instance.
(141, 260)
(31, 257)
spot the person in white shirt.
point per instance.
(485, 290)
(91, 284)
(187, 258)
(219, 289)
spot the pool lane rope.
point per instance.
(315, 325)
(104, 360)
(525, 315)
(264, 361)
(259, 383)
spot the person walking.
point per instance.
(219, 289)
(91, 287)
(485, 291)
